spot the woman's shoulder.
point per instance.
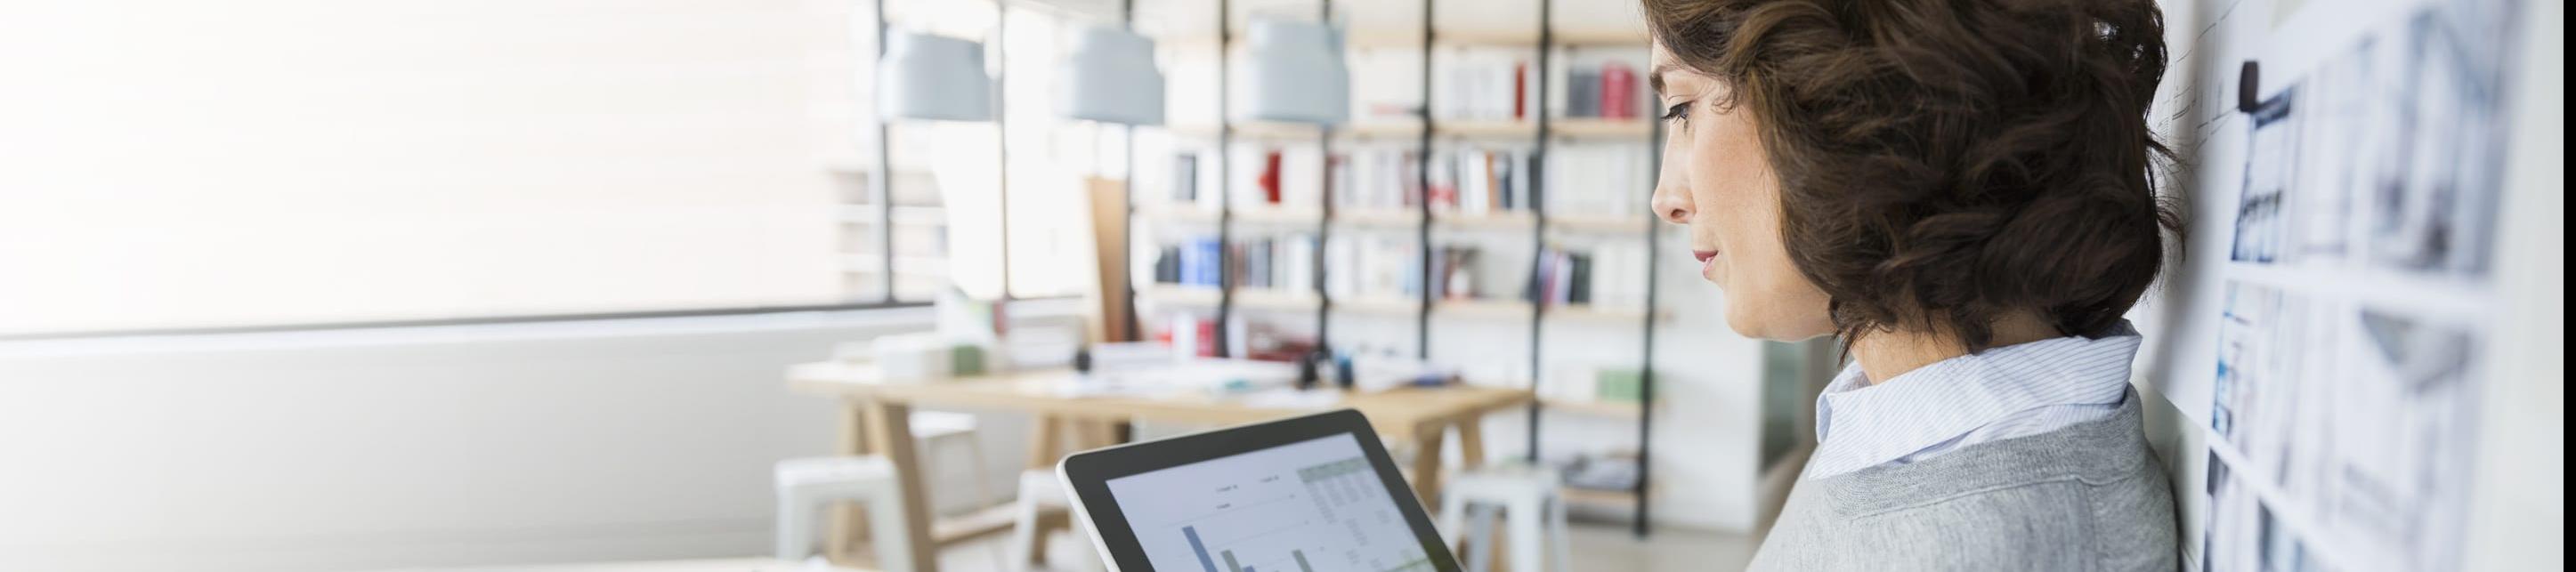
(2086, 496)
(2049, 524)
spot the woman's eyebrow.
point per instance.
(1656, 77)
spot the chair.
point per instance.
(1527, 497)
(1039, 492)
(941, 429)
(807, 485)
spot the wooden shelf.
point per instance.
(1381, 38)
(1179, 295)
(1378, 217)
(1376, 304)
(1498, 220)
(1567, 127)
(1519, 309)
(1599, 223)
(1604, 128)
(1480, 308)
(1276, 299)
(1522, 220)
(1267, 215)
(1586, 312)
(1248, 298)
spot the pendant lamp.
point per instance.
(925, 76)
(1298, 74)
(1110, 78)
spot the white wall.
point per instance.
(604, 440)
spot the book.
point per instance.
(1481, 83)
(1269, 180)
(1618, 97)
(1579, 286)
(1583, 93)
(1185, 178)
(1520, 90)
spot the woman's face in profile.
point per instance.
(1717, 180)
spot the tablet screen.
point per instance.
(1305, 506)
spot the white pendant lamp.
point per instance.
(1298, 74)
(933, 77)
(1110, 78)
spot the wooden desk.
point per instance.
(877, 422)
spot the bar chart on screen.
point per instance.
(1302, 507)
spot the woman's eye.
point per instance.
(1678, 112)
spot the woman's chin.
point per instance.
(1759, 321)
(1745, 323)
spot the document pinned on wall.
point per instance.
(2342, 411)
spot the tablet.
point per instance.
(1313, 493)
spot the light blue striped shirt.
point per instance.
(2001, 393)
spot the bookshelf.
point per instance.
(1569, 128)
(1387, 37)
(1260, 212)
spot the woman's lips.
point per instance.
(1704, 255)
(1707, 263)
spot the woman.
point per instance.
(1961, 190)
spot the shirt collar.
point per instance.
(1860, 425)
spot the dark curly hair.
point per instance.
(1943, 163)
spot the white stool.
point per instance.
(807, 485)
(936, 429)
(1039, 492)
(1527, 497)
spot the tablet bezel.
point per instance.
(1087, 476)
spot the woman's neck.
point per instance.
(1886, 354)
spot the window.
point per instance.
(172, 164)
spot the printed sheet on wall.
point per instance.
(2342, 414)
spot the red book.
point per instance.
(1618, 91)
(1520, 90)
(1270, 179)
(1207, 338)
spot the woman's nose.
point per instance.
(1672, 203)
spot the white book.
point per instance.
(1301, 177)
(1244, 176)
(1558, 81)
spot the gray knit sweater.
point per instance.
(2089, 496)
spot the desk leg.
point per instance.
(1471, 443)
(1046, 442)
(889, 429)
(1426, 466)
(849, 522)
(1091, 434)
